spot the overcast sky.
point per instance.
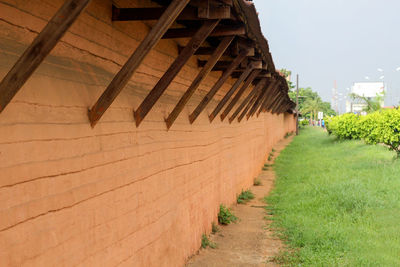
(328, 40)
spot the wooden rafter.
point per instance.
(174, 69)
(266, 98)
(206, 51)
(233, 89)
(236, 74)
(278, 104)
(275, 102)
(224, 44)
(222, 64)
(271, 98)
(39, 49)
(236, 98)
(222, 30)
(257, 102)
(189, 13)
(285, 107)
(226, 2)
(204, 9)
(260, 99)
(272, 102)
(125, 74)
(212, 2)
(218, 85)
(249, 105)
(255, 90)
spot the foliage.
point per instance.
(205, 242)
(372, 104)
(336, 203)
(304, 123)
(287, 135)
(287, 73)
(310, 103)
(214, 228)
(225, 216)
(378, 127)
(344, 126)
(245, 197)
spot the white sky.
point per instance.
(328, 40)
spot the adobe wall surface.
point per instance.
(116, 194)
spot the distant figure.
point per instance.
(323, 123)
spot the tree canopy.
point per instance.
(310, 103)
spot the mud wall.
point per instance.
(116, 194)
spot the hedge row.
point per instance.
(378, 127)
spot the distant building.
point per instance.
(366, 89)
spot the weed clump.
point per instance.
(225, 216)
(214, 228)
(257, 181)
(245, 197)
(205, 242)
(287, 135)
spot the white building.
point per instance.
(366, 89)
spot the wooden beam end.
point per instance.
(192, 118)
(211, 117)
(222, 116)
(137, 117)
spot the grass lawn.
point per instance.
(337, 203)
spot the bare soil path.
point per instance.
(249, 242)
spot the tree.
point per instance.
(310, 101)
(287, 73)
(312, 106)
(372, 104)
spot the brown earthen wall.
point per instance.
(116, 194)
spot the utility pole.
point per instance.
(297, 104)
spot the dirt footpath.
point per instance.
(249, 242)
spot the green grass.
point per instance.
(336, 203)
(245, 197)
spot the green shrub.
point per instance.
(345, 126)
(304, 123)
(378, 127)
(225, 216)
(387, 130)
(245, 197)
